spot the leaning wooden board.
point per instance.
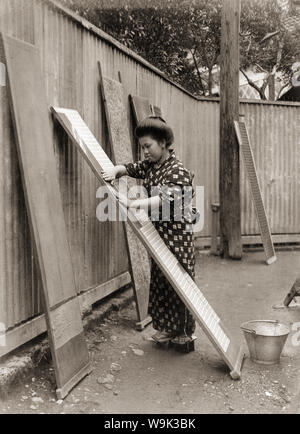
(43, 200)
(294, 292)
(113, 99)
(181, 281)
(244, 142)
(156, 111)
(141, 108)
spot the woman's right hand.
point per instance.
(109, 175)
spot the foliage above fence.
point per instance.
(183, 38)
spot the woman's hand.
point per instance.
(115, 172)
(124, 200)
(109, 175)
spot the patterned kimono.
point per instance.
(169, 180)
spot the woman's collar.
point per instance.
(171, 155)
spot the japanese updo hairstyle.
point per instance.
(157, 128)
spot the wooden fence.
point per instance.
(70, 48)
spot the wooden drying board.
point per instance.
(141, 109)
(44, 206)
(156, 111)
(116, 116)
(244, 142)
(294, 292)
(181, 281)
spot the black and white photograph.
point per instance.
(150, 210)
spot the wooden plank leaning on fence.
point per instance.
(139, 265)
(45, 211)
(181, 281)
(244, 142)
(141, 109)
(294, 292)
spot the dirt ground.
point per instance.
(133, 375)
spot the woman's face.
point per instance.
(152, 149)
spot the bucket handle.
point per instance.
(248, 330)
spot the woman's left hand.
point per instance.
(124, 200)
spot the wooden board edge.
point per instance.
(140, 326)
(293, 292)
(141, 313)
(133, 108)
(16, 122)
(66, 389)
(236, 373)
(240, 141)
(24, 44)
(23, 333)
(289, 306)
(223, 354)
(106, 112)
(205, 241)
(94, 295)
(271, 260)
(31, 329)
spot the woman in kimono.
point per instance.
(166, 181)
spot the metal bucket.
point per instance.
(265, 340)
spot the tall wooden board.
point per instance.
(43, 200)
(116, 116)
(244, 142)
(181, 281)
(141, 109)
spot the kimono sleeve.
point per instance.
(176, 184)
(137, 170)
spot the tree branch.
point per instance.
(198, 72)
(252, 84)
(266, 82)
(261, 68)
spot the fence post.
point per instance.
(229, 177)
